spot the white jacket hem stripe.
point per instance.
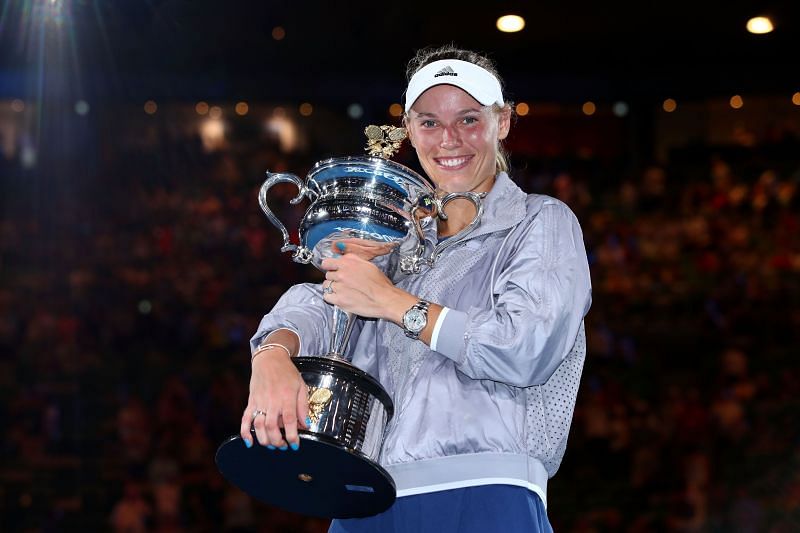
(476, 483)
(458, 471)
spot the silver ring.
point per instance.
(259, 412)
(328, 289)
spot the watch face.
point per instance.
(414, 320)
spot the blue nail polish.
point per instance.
(283, 448)
(295, 446)
(340, 246)
(270, 447)
(248, 443)
(308, 421)
(337, 256)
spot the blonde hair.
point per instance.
(450, 51)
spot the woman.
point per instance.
(482, 353)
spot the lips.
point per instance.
(453, 163)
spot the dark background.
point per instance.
(135, 262)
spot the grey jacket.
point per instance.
(494, 403)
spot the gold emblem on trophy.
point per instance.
(318, 398)
(384, 141)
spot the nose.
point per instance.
(450, 138)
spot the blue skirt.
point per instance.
(468, 510)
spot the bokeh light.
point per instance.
(278, 33)
(669, 105)
(201, 108)
(17, 105)
(589, 108)
(82, 107)
(215, 112)
(242, 108)
(620, 109)
(760, 25)
(150, 107)
(522, 109)
(510, 23)
(736, 101)
(212, 134)
(395, 110)
(355, 111)
(306, 109)
(796, 98)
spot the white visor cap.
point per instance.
(477, 81)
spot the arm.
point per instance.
(540, 298)
(278, 393)
(540, 295)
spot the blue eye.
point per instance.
(470, 120)
(428, 123)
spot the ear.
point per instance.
(503, 122)
(410, 136)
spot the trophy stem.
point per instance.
(341, 329)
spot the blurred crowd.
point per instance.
(126, 305)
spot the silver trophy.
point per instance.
(335, 473)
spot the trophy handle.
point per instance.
(301, 253)
(477, 201)
(411, 264)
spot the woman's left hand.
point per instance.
(361, 288)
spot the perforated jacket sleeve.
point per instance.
(301, 309)
(541, 294)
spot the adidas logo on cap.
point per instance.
(446, 71)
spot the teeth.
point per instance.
(453, 162)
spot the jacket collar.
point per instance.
(503, 207)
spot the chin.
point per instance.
(451, 183)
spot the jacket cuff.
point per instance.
(450, 339)
(438, 327)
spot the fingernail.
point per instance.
(308, 421)
(340, 246)
(295, 446)
(248, 443)
(336, 256)
(283, 448)
(270, 447)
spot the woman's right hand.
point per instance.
(279, 396)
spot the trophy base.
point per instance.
(319, 479)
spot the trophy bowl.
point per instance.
(362, 197)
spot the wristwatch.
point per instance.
(415, 319)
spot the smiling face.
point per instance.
(456, 138)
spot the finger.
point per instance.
(302, 407)
(289, 413)
(331, 299)
(273, 430)
(259, 424)
(330, 263)
(247, 424)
